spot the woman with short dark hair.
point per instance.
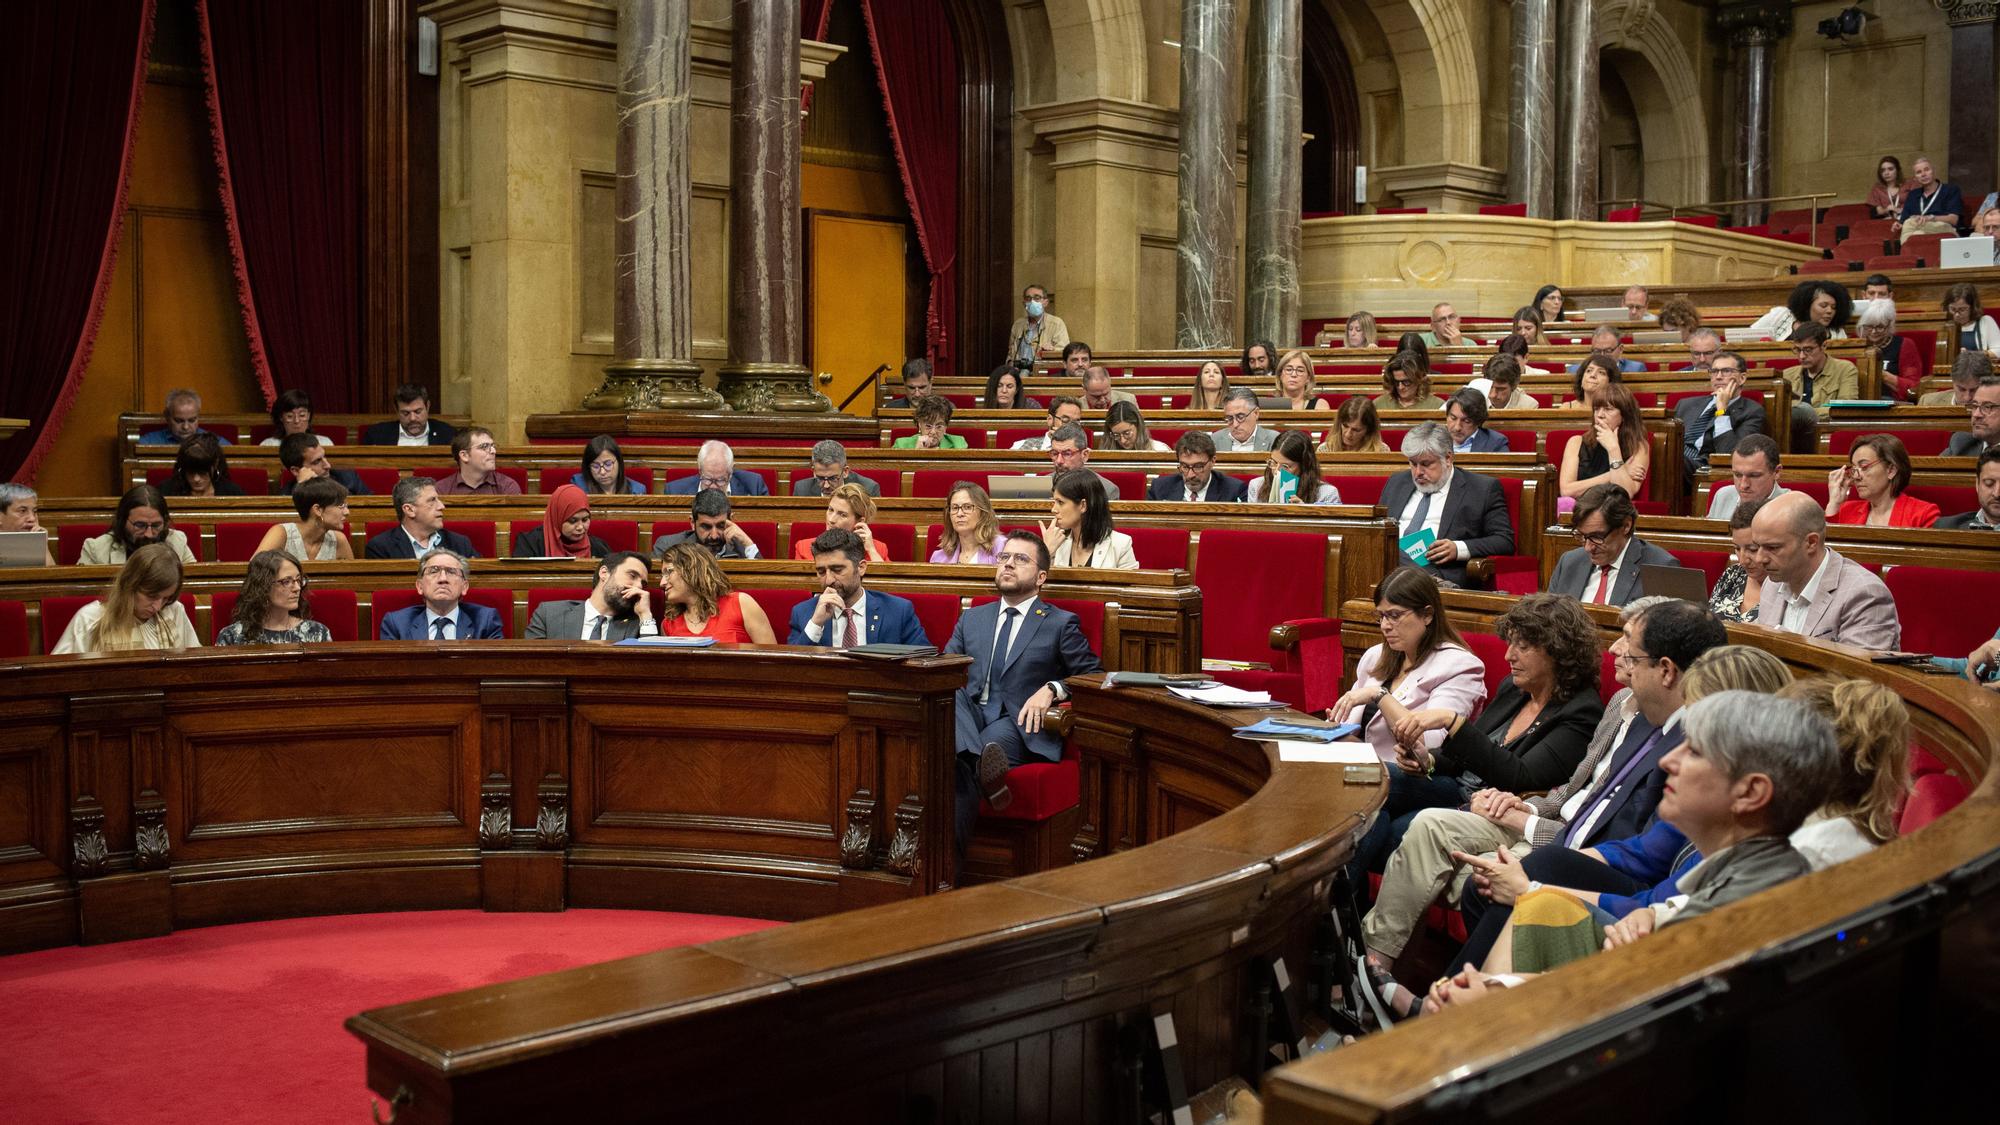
(320, 533)
(1877, 472)
(200, 470)
(1079, 531)
(604, 469)
(273, 608)
(292, 413)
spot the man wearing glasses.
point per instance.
(478, 457)
(716, 471)
(1715, 424)
(1818, 380)
(830, 471)
(1197, 482)
(1985, 434)
(1703, 346)
(1444, 327)
(1605, 569)
(1241, 432)
(443, 577)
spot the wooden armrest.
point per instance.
(1480, 570)
(1059, 719)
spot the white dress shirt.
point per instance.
(405, 437)
(432, 617)
(1436, 514)
(1610, 580)
(1799, 604)
(857, 619)
(1598, 811)
(1026, 606)
(647, 626)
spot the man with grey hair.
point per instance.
(1703, 344)
(715, 470)
(21, 510)
(1966, 372)
(830, 471)
(1069, 449)
(1607, 339)
(419, 524)
(183, 415)
(1241, 433)
(1446, 517)
(1810, 588)
(443, 578)
(1097, 392)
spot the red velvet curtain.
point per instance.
(285, 113)
(71, 76)
(916, 66)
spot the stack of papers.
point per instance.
(668, 642)
(1329, 753)
(1278, 729)
(891, 652)
(1222, 695)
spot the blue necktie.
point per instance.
(437, 628)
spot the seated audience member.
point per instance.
(1501, 385)
(273, 607)
(183, 417)
(1885, 195)
(711, 528)
(443, 577)
(1930, 206)
(1241, 431)
(1517, 347)
(478, 457)
(1465, 419)
(1638, 302)
(617, 609)
(413, 425)
(1356, 429)
(933, 418)
(1197, 482)
(1022, 650)
(603, 471)
(1359, 331)
(1259, 358)
(1605, 569)
(1547, 306)
(141, 518)
(141, 611)
(1818, 381)
(565, 530)
(1295, 382)
(21, 510)
(1125, 429)
(830, 471)
(1902, 368)
(1063, 411)
(1406, 382)
(1076, 360)
(1740, 589)
(1613, 450)
(1466, 512)
(1594, 374)
(1079, 531)
(1097, 392)
(320, 532)
(1984, 436)
(1878, 287)
(1703, 346)
(303, 458)
(848, 509)
(292, 413)
(1966, 372)
(1527, 325)
(716, 469)
(1871, 729)
(916, 384)
(419, 524)
(1211, 386)
(971, 533)
(1608, 341)
(1291, 474)
(1811, 589)
(1964, 317)
(1986, 485)
(1753, 469)
(1039, 333)
(1445, 332)
(1069, 450)
(1717, 424)
(1680, 315)
(200, 470)
(1817, 301)
(1876, 473)
(1006, 391)
(700, 602)
(847, 613)
(1413, 343)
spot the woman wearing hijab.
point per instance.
(565, 530)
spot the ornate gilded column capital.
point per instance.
(1959, 12)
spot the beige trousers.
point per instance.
(1917, 225)
(1421, 866)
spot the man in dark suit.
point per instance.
(829, 468)
(617, 609)
(847, 613)
(1022, 649)
(304, 458)
(1986, 517)
(1466, 512)
(419, 524)
(1985, 432)
(413, 425)
(1465, 420)
(717, 472)
(1605, 570)
(443, 577)
(1716, 423)
(712, 529)
(1197, 482)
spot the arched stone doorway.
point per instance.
(1332, 116)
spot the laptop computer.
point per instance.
(1018, 488)
(1657, 336)
(1966, 253)
(24, 548)
(1615, 316)
(1684, 583)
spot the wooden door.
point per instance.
(856, 306)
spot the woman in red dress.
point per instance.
(701, 604)
(1877, 471)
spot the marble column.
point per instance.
(1973, 97)
(1205, 271)
(766, 292)
(1271, 289)
(1531, 109)
(652, 321)
(1754, 30)
(1577, 116)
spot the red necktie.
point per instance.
(1603, 584)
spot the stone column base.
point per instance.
(767, 388)
(652, 384)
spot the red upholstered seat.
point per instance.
(1624, 215)
(1931, 602)
(938, 482)
(1005, 439)
(1859, 249)
(385, 602)
(938, 614)
(1492, 654)
(1253, 580)
(337, 608)
(1790, 220)
(1402, 210)
(1607, 676)
(1849, 214)
(379, 482)
(480, 532)
(1041, 789)
(1891, 262)
(1924, 246)
(1931, 796)
(778, 605)
(1131, 482)
(1918, 443)
(619, 535)
(1514, 210)
(888, 480)
(70, 538)
(1160, 548)
(14, 630)
(1358, 490)
(236, 542)
(1823, 267)
(1949, 498)
(1709, 221)
(1710, 563)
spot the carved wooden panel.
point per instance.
(32, 844)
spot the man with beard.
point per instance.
(846, 613)
(1465, 512)
(141, 518)
(712, 529)
(616, 610)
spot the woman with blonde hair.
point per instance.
(1356, 429)
(1295, 382)
(1359, 331)
(700, 602)
(1872, 729)
(848, 508)
(141, 611)
(1734, 668)
(971, 533)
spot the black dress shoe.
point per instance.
(993, 767)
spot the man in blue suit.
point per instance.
(1022, 649)
(716, 469)
(847, 613)
(1465, 419)
(443, 577)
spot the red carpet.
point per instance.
(242, 1023)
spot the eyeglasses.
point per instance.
(443, 571)
(295, 582)
(1593, 539)
(1727, 371)
(1015, 557)
(830, 480)
(1393, 616)
(1239, 416)
(1985, 408)
(148, 525)
(961, 509)
(1864, 466)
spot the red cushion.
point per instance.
(1710, 563)
(1931, 603)
(1358, 490)
(1402, 210)
(1709, 221)
(777, 605)
(1949, 498)
(236, 542)
(1160, 548)
(1252, 580)
(937, 483)
(1624, 215)
(1917, 443)
(1931, 796)
(938, 614)
(14, 630)
(764, 533)
(1890, 262)
(1607, 677)
(1005, 439)
(70, 538)
(619, 535)
(1041, 790)
(1131, 482)
(1515, 210)
(1492, 654)
(1823, 267)
(480, 532)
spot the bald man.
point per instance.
(1810, 589)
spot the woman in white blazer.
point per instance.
(1079, 530)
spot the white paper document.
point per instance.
(1331, 753)
(1222, 695)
